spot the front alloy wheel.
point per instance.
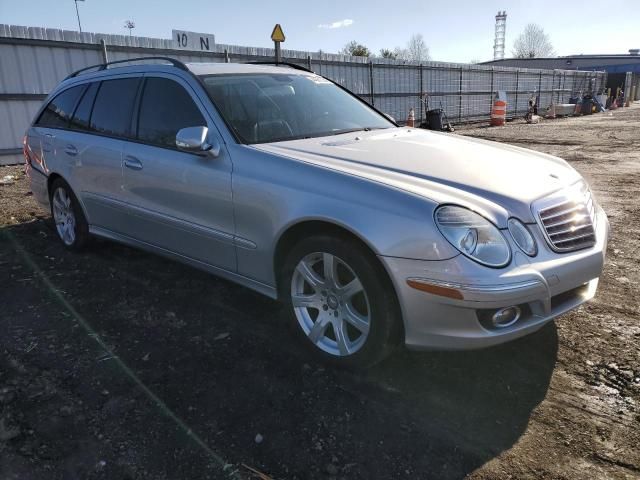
(330, 304)
(341, 301)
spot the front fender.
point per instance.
(273, 193)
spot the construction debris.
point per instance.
(7, 180)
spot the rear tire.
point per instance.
(69, 220)
(340, 301)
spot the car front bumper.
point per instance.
(543, 287)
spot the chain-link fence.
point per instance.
(33, 60)
(464, 92)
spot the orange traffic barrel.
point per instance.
(499, 111)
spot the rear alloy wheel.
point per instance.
(341, 301)
(71, 225)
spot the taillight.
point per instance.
(27, 158)
(26, 149)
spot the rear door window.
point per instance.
(80, 120)
(165, 108)
(59, 110)
(112, 109)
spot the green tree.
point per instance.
(386, 53)
(355, 49)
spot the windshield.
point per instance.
(263, 108)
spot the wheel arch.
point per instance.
(53, 176)
(296, 232)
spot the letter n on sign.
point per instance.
(199, 42)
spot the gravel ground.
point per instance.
(116, 364)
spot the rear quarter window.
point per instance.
(81, 117)
(112, 109)
(58, 111)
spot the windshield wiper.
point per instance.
(359, 129)
(319, 134)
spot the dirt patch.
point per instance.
(119, 364)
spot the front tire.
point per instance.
(68, 217)
(340, 301)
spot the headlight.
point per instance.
(473, 235)
(522, 236)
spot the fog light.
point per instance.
(505, 317)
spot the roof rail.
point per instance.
(103, 66)
(286, 64)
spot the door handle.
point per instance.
(132, 162)
(71, 150)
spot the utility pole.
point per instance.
(78, 14)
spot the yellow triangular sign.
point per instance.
(277, 35)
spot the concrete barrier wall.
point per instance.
(33, 60)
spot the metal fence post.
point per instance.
(421, 92)
(103, 50)
(539, 99)
(515, 110)
(491, 92)
(460, 98)
(309, 62)
(226, 56)
(371, 83)
(559, 87)
(584, 81)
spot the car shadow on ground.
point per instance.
(480, 400)
(219, 358)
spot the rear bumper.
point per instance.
(543, 287)
(38, 184)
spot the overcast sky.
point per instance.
(455, 30)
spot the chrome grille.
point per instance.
(569, 223)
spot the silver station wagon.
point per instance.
(276, 178)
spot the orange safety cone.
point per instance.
(411, 119)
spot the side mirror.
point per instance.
(194, 140)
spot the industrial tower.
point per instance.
(501, 27)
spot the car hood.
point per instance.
(496, 179)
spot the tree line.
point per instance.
(415, 50)
(533, 42)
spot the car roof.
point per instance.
(230, 68)
(141, 66)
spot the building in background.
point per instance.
(616, 66)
